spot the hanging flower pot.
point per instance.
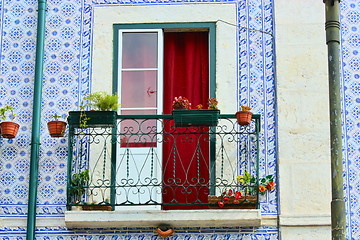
(244, 116)
(184, 116)
(56, 128)
(198, 117)
(9, 129)
(80, 119)
(165, 230)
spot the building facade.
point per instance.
(270, 55)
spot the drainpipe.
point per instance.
(332, 27)
(35, 134)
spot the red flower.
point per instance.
(270, 186)
(230, 192)
(181, 103)
(237, 195)
(220, 204)
(226, 200)
(262, 188)
(236, 201)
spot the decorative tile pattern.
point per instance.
(143, 233)
(350, 47)
(61, 74)
(257, 80)
(67, 68)
(67, 74)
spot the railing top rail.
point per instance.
(169, 116)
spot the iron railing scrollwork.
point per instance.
(146, 161)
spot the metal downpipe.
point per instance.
(332, 27)
(36, 119)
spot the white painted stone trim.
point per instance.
(14, 222)
(305, 220)
(224, 15)
(153, 218)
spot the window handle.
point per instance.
(149, 91)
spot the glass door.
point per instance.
(140, 89)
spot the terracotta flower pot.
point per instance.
(56, 128)
(245, 202)
(244, 117)
(9, 129)
(165, 230)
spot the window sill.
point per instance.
(153, 218)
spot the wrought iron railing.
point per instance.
(145, 161)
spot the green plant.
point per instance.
(4, 110)
(101, 101)
(245, 108)
(56, 117)
(266, 184)
(246, 180)
(83, 118)
(213, 103)
(78, 183)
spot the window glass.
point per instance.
(139, 50)
(138, 89)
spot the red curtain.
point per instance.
(186, 73)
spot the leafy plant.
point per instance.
(213, 103)
(246, 180)
(4, 110)
(181, 103)
(56, 117)
(101, 101)
(184, 103)
(245, 108)
(266, 184)
(78, 184)
(83, 118)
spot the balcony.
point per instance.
(144, 163)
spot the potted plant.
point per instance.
(266, 184)
(230, 199)
(8, 129)
(56, 128)
(78, 183)
(244, 116)
(103, 108)
(246, 195)
(184, 116)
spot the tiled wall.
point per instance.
(68, 47)
(350, 35)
